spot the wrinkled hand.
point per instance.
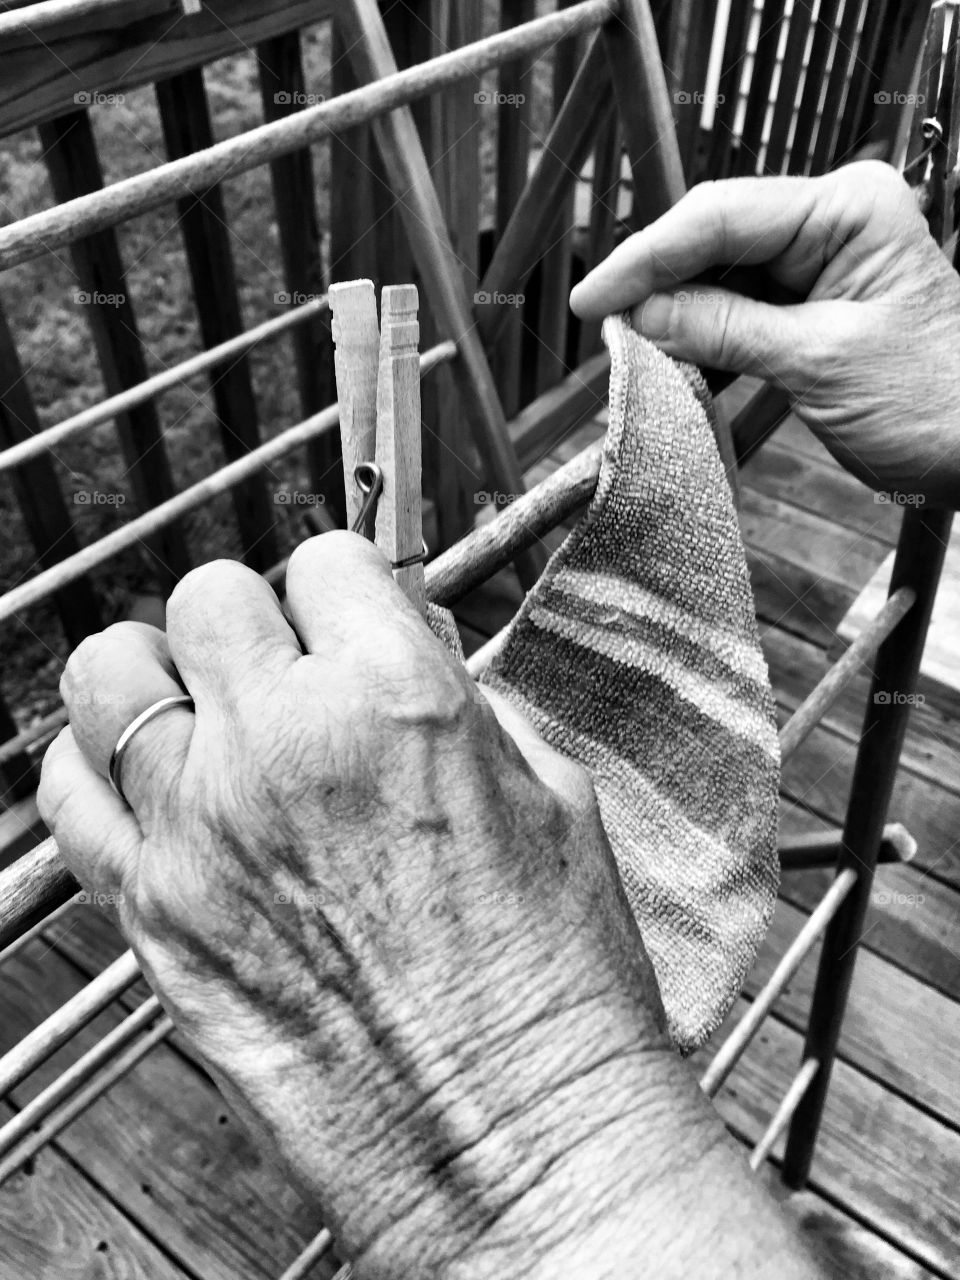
(382, 910)
(868, 348)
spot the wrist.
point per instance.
(572, 1129)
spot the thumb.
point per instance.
(724, 330)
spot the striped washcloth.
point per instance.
(637, 655)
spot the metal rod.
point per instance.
(64, 1022)
(733, 1047)
(51, 229)
(816, 705)
(803, 852)
(919, 559)
(134, 532)
(301, 1265)
(784, 1113)
(177, 374)
(77, 1074)
(84, 1098)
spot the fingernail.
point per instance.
(655, 315)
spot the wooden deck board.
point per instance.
(932, 744)
(897, 1029)
(819, 487)
(893, 1166)
(818, 776)
(907, 922)
(837, 553)
(796, 598)
(941, 661)
(162, 1145)
(55, 1223)
(854, 1252)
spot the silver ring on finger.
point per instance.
(155, 709)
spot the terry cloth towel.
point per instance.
(637, 655)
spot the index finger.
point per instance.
(738, 221)
(226, 632)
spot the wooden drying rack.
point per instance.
(384, 424)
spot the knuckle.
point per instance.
(429, 699)
(195, 591)
(410, 679)
(351, 559)
(52, 791)
(83, 660)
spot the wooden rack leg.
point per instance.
(409, 174)
(923, 542)
(646, 112)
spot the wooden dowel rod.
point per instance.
(816, 705)
(478, 661)
(54, 1031)
(196, 495)
(51, 229)
(803, 852)
(732, 1049)
(487, 549)
(151, 387)
(34, 18)
(9, 952)
(38, 882)
(85, 1097)
(784, 1113)
(77, 1074)
(31, 888)
(301, 1265)
(44, 728)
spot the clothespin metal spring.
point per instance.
(369, 478)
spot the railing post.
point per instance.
(919, 559)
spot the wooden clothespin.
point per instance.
(356, 356)
(378, 390)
